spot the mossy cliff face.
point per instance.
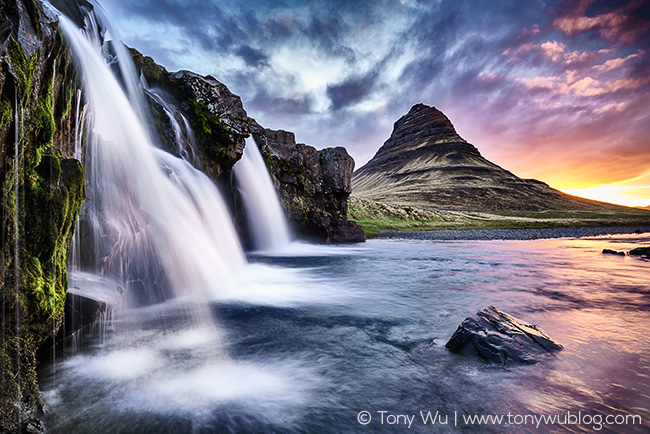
(42, 193)
(313, 185)
(216, 116)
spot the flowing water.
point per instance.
(183, 140)
(154, 222)
(311, 341)
(265, 216)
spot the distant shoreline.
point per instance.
(511, 234)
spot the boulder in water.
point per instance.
(640, 251)
(501, 338)
(612, 252)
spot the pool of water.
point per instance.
(310, 339)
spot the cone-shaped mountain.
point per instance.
(425, 163)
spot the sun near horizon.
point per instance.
(610, 193)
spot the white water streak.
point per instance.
(266, 221)
(142, 212)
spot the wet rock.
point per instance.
(90, 298)
(501, 338)
(612, 252)
(640, 251)
(44, 187)
(314, 186)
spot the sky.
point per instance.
(553, 90)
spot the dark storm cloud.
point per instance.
(253, 57)
(282, 105)
(349, 92)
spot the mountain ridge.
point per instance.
(425, 163)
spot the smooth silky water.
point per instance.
(363, 328)
(266, 221)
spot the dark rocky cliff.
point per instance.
(215, 114)
(314, 186)
(425, 163)
(42, 193)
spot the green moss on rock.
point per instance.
(153, 72)
(210, 131)
(42, 194)
(23, 68)
(44, 126)
(6, 113)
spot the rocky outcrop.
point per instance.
(612, 252)
(43, 185)
(425, 163)
(90, 298)
(640, 251)
(314, 186)
(216, 116)
(500, 338)
(43, 189)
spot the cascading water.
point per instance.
(118, 54)
(159, 228)
(156, 224)
(183, 134)
(266, 220)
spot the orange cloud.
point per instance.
(557, 52)
(521, 51)
(619, 25)
(586, 86)
(538, 82)
(618, 62)
(575, 109)
(553, 50)
(613, 107)
(600, 88)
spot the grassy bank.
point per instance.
(375, 217)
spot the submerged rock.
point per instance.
(501, 338)
(612, 252)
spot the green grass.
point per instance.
(375, 217)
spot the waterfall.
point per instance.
(152, 221)
(267, 223)
(183, 134)
(121, 57)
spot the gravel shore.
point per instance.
(513, 234)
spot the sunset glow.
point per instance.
(634, 197)
(634, 192)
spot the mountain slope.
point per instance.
(425, 163)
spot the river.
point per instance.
(308, 340)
